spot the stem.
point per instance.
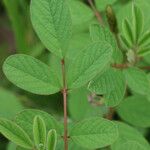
(97, 13)
(64, 91)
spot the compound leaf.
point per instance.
(26, 117)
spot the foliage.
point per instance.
(90, 58)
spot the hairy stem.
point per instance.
(64, 91)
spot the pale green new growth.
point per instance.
(39, 132)
(51, 140)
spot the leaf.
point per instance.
(99, 34)
(39, 132)
(52, 22)
(88, 63)
(79, 100)
(131, 145)
(26, 117)
(145, 39)
(14, 133)
(111, 84)
(51, 140)
(137, 80)
(140, 115)
(127, 33)
(144, 51)
(9, 111)
(80, 12)
(127, 134)
(94, 133)
(137, 22)
(31, 74)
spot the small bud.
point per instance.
(112, 20)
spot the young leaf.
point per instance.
(15, 133)
(39, 132)
(140, 115)
(88, 63)
(131, 145)
(31, 74)
(25, 121)
(52, 22)
(94, 133)
(51, 140)
(127, 33)
(127, 134)
(137, 80)
(111, 84)
(137, 22)
(145, 39)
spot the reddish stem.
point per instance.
(65, 106)
(96, 12)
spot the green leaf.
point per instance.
(99, 33)
(137, 80)
(88, 63)
(80, 12)
(52, 22)
(140, 115)
(94, 133)
(51, 140)
(31, 74)
(111, 84)
(39, 132)
(79, 100)
(131, 145)
(26, 117)
(127, 134)
(9, 111)
(137, 22)
(127, 33)
(15, 133)
(145, 39)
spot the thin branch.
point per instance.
(124, 66)
(65, 106)
(96, 12)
